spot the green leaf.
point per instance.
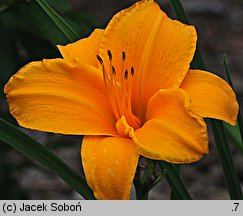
(225, 155)
(177, 186)
(237, 133)
(82, 23)
(234, 133)
(226, 67)
(40, 23)
(62, 6)
(178, 168)
(31, 148)
(180, 13)
(36, 47)
(227, 163)
(9, 59)
(8, 22)
(33, 13)
(63, 26)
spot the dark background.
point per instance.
(23, 39)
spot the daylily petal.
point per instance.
(56, 96)
(211, 96)
(85, 49)
(173, 132)
(160, 49)
(109, 165)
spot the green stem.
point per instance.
(178, 188)
(140, 195)
(142, 178)
(178, 168)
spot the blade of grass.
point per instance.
(31, 148)
(177, 186)
(63, 26)
(239, 119)
(225, 156)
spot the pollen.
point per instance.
(118, 83)
(126, 75)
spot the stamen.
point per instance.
(113, 70)
(123, 56)
(119, 88)
(100, 59)
(103, 69)
(126, 75)
(132, 71)
(109, 54)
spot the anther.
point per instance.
(109, 54)
(132, 71)
(99, 59)
(126, 75)
(113, 70)
(123, 56)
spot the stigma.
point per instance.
(118, 83)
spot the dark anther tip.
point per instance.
(126, 75)
(99, 59)
(109, 54)
(113, 70)
(132, 71)
(123, 56)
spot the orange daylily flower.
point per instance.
(129, 90)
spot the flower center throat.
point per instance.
(118, 85)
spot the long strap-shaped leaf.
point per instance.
(31, 148)
(178, 188)
(224, 152)
(178, 169)
(239, 129)
(234, 133)
(225, 156)
(64, 27)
